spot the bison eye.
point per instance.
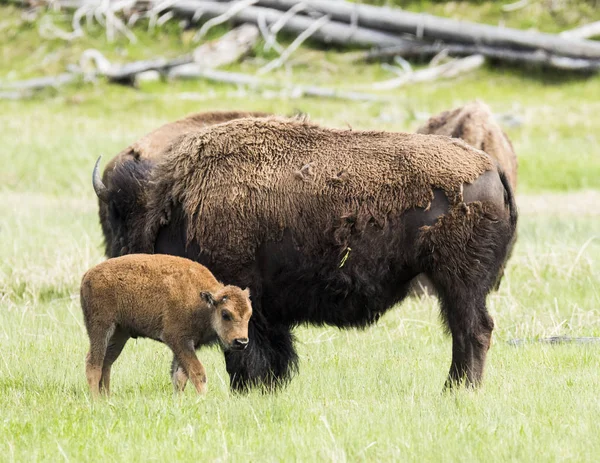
(226, 316)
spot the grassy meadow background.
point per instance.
(372, 395)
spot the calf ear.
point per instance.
(247, 292)
(208, 298)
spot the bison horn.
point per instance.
(99, 187)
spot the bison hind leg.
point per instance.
(467, 249)
(115, 347)
(99, 335)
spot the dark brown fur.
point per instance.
(149, 148)
(360, 175)
(165, 298)
(475, 124)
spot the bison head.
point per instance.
(122, 201)
(231, 311)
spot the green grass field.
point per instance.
(372, 395)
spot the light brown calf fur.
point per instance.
(166, 298)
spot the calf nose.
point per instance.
(240, 343)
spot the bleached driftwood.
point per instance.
(431, 27)
(235, 7)
(227, 49)
(315, 26)
(331, 33)
(538, 57)
(584, 32)
(126, 74)
(39, 83)
(443, 71)
(292, 90)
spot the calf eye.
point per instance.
(226, 316)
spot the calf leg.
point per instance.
(99, 335)
(115, 347)
(186, 358)
(178, 376)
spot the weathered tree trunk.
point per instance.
(450, 30)
(295, 90)
(538, 57)
(443, 71)
(584, 32)
(227, 49)
(332, 32)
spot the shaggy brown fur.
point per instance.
(329, 227)
(297, 174)
(166, 298)
(475, 124)
(151, 145)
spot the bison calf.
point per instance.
(165, 298)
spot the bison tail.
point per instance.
(509, 200)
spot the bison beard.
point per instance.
(336, 241)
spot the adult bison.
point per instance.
(329, 227)
(475, 124)
(145, 151)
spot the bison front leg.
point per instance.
(178, 376)
(269, 361)
(186, 357)
(115, 347)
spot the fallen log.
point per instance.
(443, 71)
(431, 27)
(227, 49)
(584, 32)
(293, 89)
(556, 340)
(39, 83)
(331, 33)
(126, 74)
(538, 57)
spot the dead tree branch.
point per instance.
(584, 32)
(437, 28)
(538, 57)
(331, 33)
(443, 71)
(293, 90)
(315, 26)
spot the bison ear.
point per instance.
(208, 298)
(247, 292)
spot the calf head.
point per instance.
(122, 203)
(231, 312)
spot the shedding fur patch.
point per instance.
(250, 179)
